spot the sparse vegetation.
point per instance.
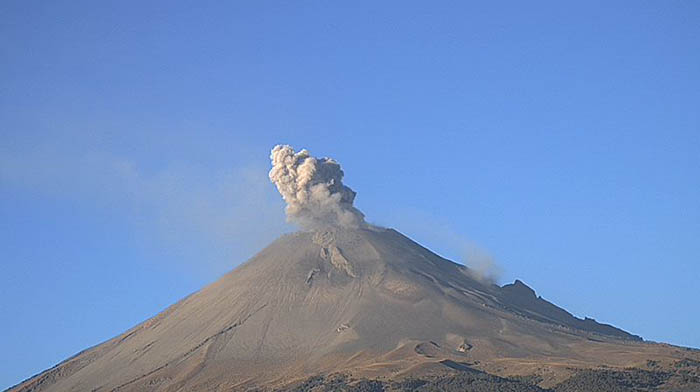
(613, 381)
(468, 381)
(472, 380)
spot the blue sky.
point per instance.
(560, 140)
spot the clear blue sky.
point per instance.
(561, 140)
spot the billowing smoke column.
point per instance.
(313, 189)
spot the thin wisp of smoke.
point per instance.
(313, 190)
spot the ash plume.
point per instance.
(313, 190)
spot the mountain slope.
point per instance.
(369, 302)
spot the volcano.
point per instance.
(373, 306)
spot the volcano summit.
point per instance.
(345, 305)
